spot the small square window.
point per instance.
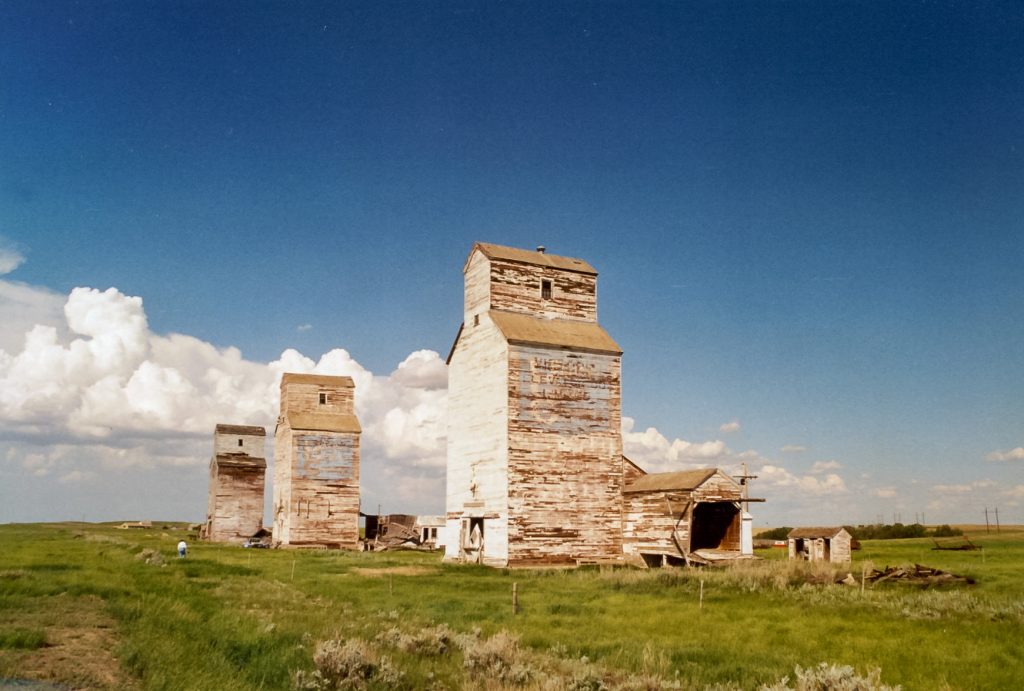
(239, 442)
(323, 399)
(545, 290)
(476, 320)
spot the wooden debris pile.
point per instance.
(964, 546)
(919, 575)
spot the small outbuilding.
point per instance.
(431, 529)
(686, 516)
(820, 544)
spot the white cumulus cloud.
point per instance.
(820, 467)
(653, 452)
(10, 257)
(793, 448)
(1016, 454)
(777, 476)
(730, 427)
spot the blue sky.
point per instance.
(807, 219)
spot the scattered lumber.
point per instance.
(966, 545)
(923, 576)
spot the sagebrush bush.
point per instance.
(429, 641)
(151, 556)
(831, 677)
(347, 664)
(498, 657)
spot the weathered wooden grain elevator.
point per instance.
(535, 467)
(316, 466)
(237, 477)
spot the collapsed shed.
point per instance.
(690, 516)
(820, 544)
(237, 477)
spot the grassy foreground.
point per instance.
(79, 606)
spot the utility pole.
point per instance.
(997, 519)
(986, 519)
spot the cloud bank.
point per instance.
(91, 390)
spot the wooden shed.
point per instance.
(237, 483)
(316, 466)
(534, 472)
(821, 544)
(686, 516)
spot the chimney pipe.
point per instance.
(540, 249)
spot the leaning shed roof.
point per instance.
(514, 254)
(324, 422)
(565, 333)
(681, 480)
(242, 460)
(322, 379)
(815, 532)
(241, 429)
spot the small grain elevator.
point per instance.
(316, 466)
(237, 476)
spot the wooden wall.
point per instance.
(648, 520)
(235, 507)
(565, 456)
(477, 481)
(517, 288)
(237, 482)
(320, 501)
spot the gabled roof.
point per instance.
(564, 333)
(815, 532)
(240, 429)
(680, 480)
(323, 422)
(321, 379)
(637, 468)
(513, 254)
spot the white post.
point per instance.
(746, 533)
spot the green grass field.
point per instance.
(77, 606)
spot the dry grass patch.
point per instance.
(80, 640)
(395, 571)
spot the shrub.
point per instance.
(498, 657)
(774, 534)
(431, 641)
(828, 677)
(343, 665)
(947, 531)
(151, 556)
